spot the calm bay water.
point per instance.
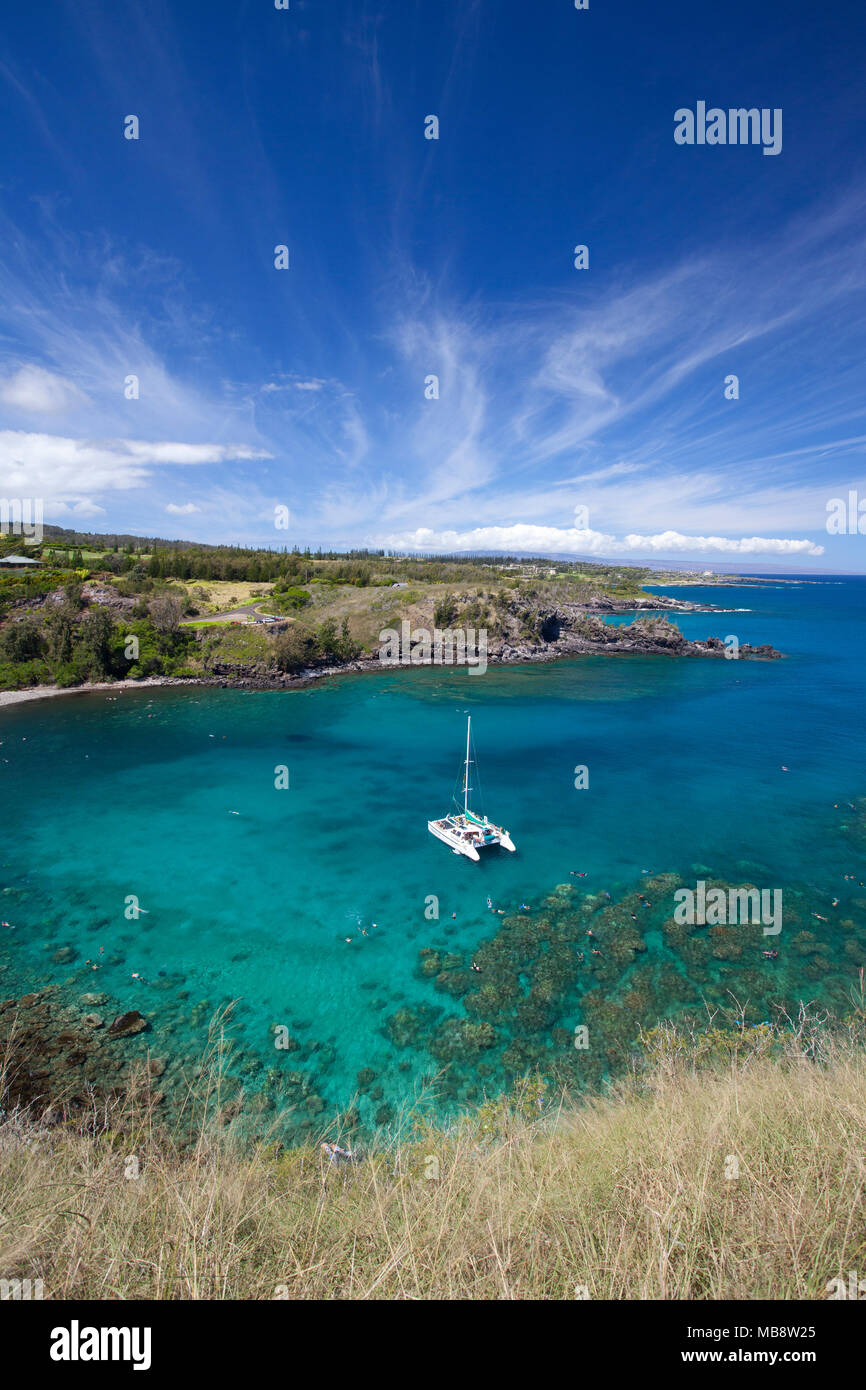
(137, 794)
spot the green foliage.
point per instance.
(63, 647)
(294, 649)
(298, 647)
(339, 645)
(135, 581)
(21, 675)
(288, 598)
(445, 612)
(474, 614)
(22, 639)
(95, 642)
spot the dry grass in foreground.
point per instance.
(630, 1196)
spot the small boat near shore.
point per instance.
(464, 831)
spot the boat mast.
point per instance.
(466, 777)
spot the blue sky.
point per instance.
(601, 390)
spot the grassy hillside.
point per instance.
(730, 1167)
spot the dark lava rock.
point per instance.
(125, 1025)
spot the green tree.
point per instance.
(60, 634)
(445, 612)
(294, 649)
(96, 634)
(22, 639)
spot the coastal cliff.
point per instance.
(68, 629)
(524, 632)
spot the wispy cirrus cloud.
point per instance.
(614, 402)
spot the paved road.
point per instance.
(248, 611)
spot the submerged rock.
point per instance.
(125, 1025)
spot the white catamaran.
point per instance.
(463, 830)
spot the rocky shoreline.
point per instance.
(563, 630)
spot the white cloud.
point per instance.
(84, 507)
(186, 510)
(720, 545)
(55, 466)
(571, 541)
(36, 391)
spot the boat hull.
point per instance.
(450, 837)
(467, 837)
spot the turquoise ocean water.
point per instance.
(104, 798)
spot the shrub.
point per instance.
(445, 612)
(290, 599)
(293, 650)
